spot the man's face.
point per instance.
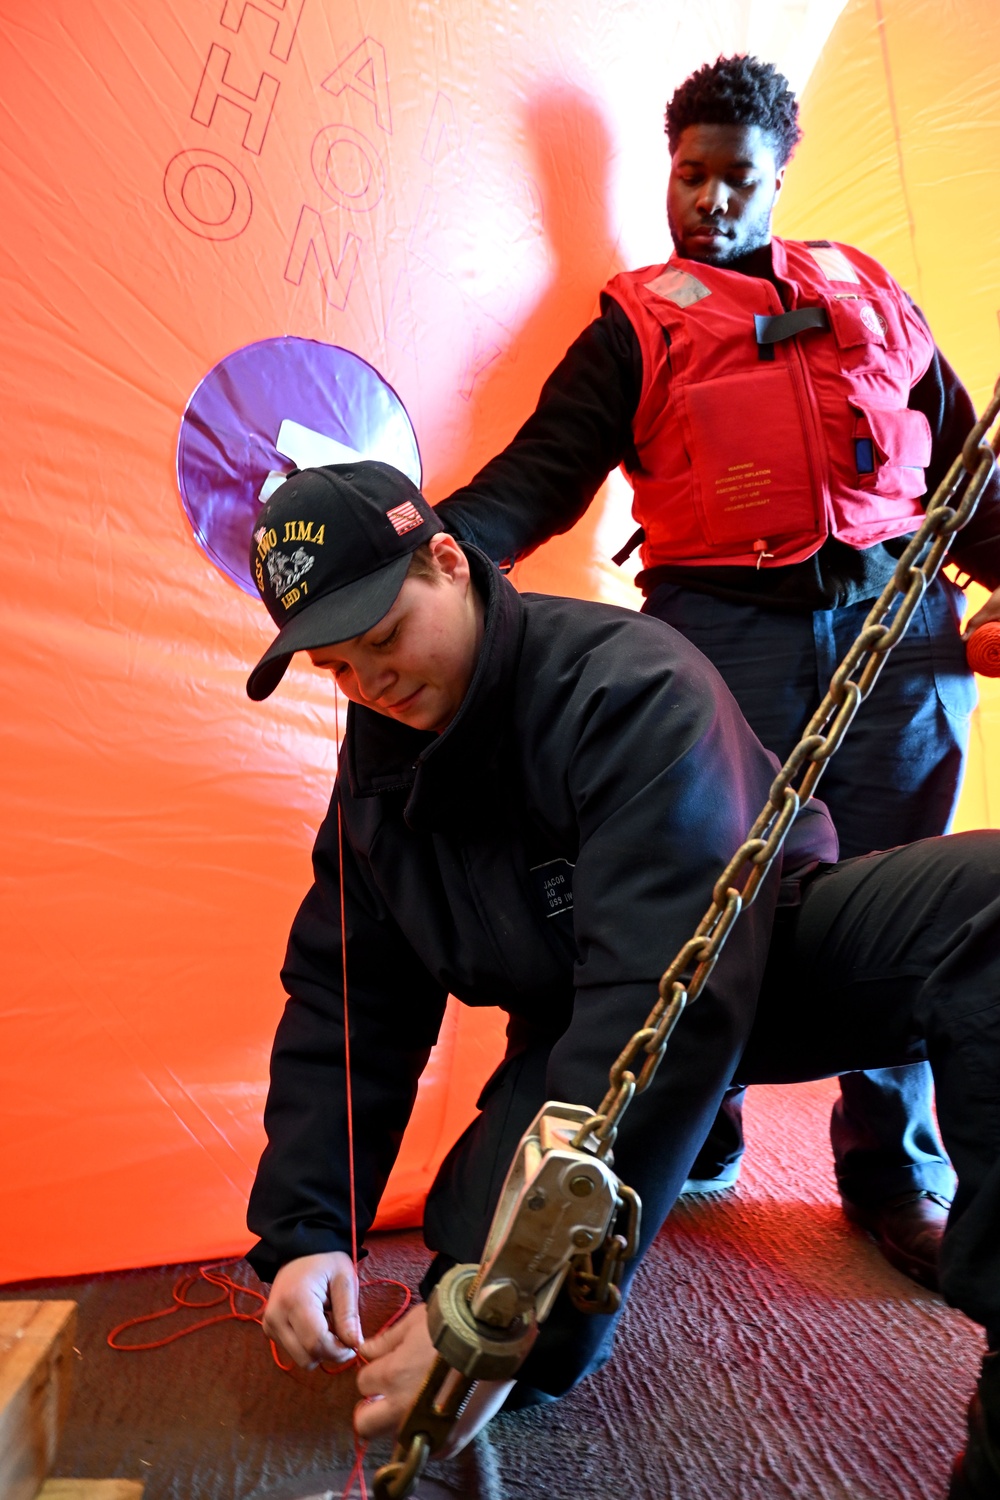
(723, 184)
(416, 664)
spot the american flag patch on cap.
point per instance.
(404, 517)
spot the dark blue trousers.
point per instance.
(895, 779)
(889, 959)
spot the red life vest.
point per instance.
(747, 459)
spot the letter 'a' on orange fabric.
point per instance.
(436, 198)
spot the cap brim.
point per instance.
(337, 616)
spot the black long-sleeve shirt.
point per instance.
(581, 429)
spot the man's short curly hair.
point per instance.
(737, 91)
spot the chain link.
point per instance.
(424, 1430)
(685, 978)
(593, 1291)
(599, 1291)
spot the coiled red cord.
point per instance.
(216, 1275)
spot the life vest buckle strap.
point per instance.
(773, 328)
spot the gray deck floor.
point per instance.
(767, 1352)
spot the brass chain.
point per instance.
(593, 1291)
(598, 1291)
(424, 1429)
(682, 982)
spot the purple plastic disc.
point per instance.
(270, 407)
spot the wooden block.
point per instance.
(36, 1347)
(91, 1489)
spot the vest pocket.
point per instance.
(891, 449)
(753, 479)
(943, 606)
(863, 319)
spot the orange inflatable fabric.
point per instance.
(440, 193)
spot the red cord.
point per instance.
(360, 1449)
(215, 1274)
(347, 1018)
(229, 1290)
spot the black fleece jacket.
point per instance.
(594, 742)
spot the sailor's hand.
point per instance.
(990, 611)
(396, 1366)
(296, 1312)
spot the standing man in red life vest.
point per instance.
(781, 411)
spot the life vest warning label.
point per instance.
(752, 476)
(742, 486)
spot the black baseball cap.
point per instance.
(329, 554)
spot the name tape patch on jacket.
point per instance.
(554, 884)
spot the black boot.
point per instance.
(908, 1230)
(976, 1475)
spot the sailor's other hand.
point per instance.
(396, 1364)
(297, 1318)
(990, 611)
